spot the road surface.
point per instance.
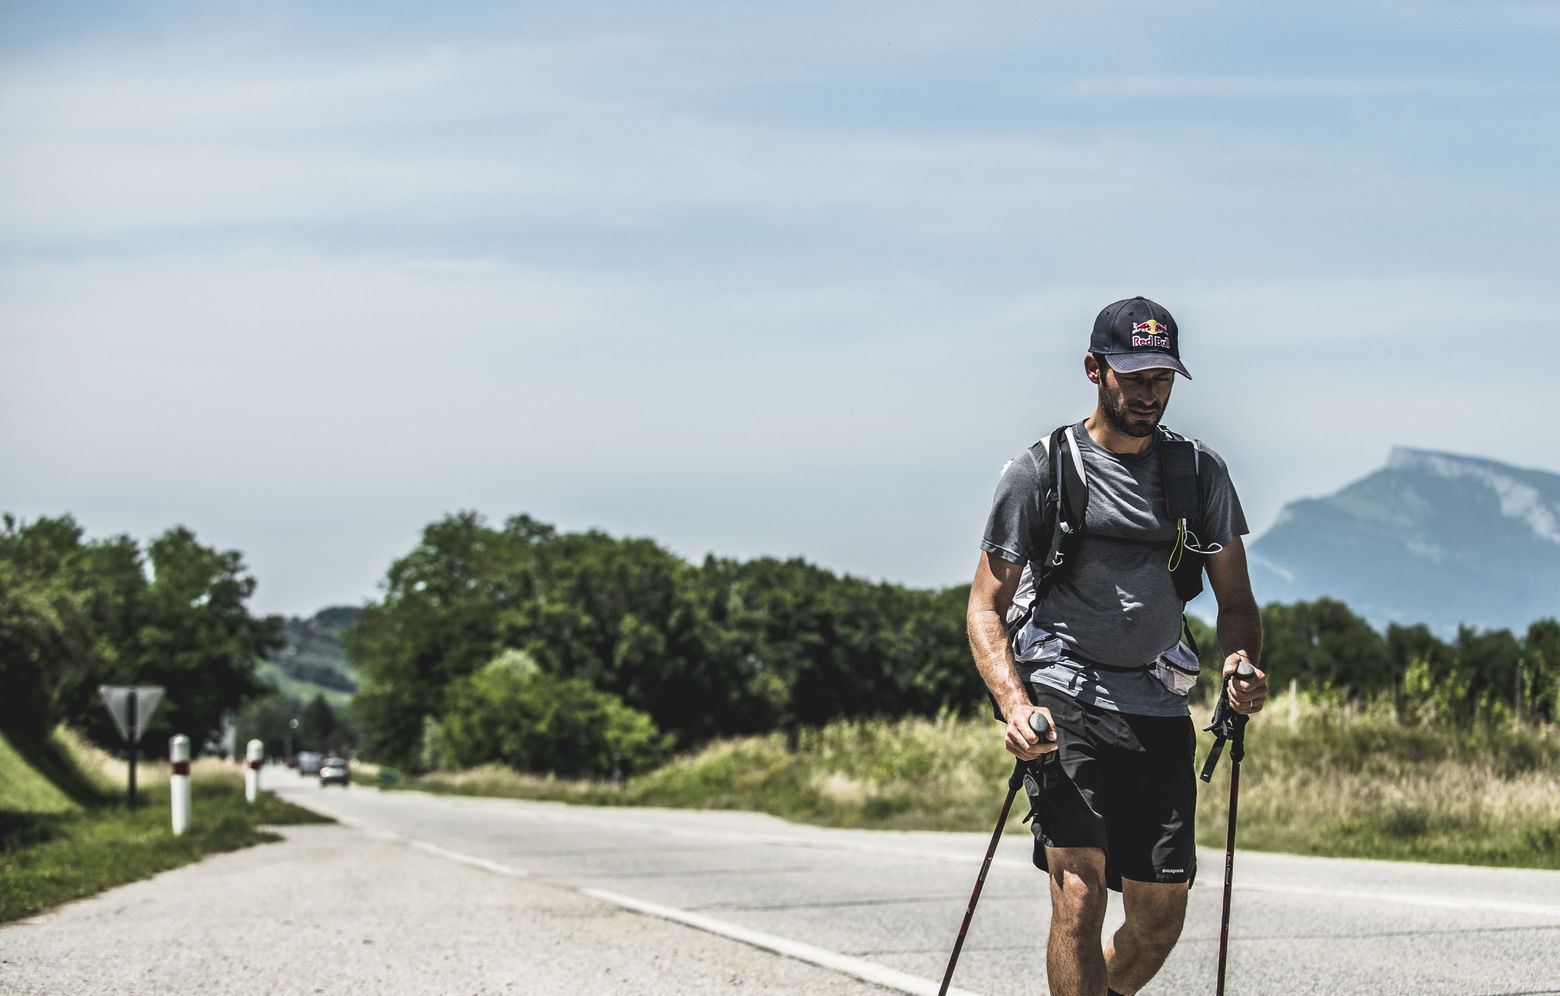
(418, 893)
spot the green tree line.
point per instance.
(76, 614)
(704, 650)
(557, 651)
(1488, 675)
(569, 652)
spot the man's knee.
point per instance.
(1157, 931)
(1155, 913)
(1078, 893)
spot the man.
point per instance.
(1096, 650)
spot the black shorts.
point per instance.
(1124, 784)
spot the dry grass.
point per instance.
(1355, 782)
(110, 774)
(1348, 782)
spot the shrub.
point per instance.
(513, 713)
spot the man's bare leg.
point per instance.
(1074, 962)
(1155, 912)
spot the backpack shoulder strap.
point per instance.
(1066, 504)
(1180, 462)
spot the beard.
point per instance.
(1124, 419)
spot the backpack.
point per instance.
(1061, 527)
(1060, 531)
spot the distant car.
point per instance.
(333, 770)
(308, 762)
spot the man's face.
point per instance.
(1134, 403)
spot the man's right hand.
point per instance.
(1021, 740)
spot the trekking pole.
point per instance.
(1228, 725)
(1037, 722)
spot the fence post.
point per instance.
(179, 782)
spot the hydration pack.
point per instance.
(1060, 530)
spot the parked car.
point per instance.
(333, 770)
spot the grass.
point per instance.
(53, 851)
(907, 774)
(24, 789)
(1357, 784)
(1317, 779)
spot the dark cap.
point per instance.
(1137, 334)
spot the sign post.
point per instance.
(131, 707)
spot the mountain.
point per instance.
(1431, 538)
(312, 661)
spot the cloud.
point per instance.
(751, 283)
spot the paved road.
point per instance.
(419, 893)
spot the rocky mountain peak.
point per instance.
(1432, 537)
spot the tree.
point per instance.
(513, 713)
(1325, 646)
(265, 719)
(1541, 664)
(1488, 659)
(625, 616)
(443, 607)
(194, 635)
(318, 727)
(61, 610)
(74, 615)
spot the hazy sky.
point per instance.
(789, 279)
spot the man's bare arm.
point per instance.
(1240, 623)
(996, 580)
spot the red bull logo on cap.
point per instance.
(1151, 334)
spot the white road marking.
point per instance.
(467, 859)
(1411, 899)
(860, 968)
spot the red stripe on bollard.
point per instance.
(181, 767)
(254, 765)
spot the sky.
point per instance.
(746, 279)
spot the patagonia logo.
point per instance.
(1151, 334)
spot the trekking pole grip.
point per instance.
(1227, 723)
(1243, 671)
(1040, 725)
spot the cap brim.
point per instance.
(1134, 362)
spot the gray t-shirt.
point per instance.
(1117, 605)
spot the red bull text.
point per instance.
(1151, 334)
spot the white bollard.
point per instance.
(179, 782)
(255, 752)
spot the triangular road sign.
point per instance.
(117, 697)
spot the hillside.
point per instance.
(1431, 537)
(313, 661)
